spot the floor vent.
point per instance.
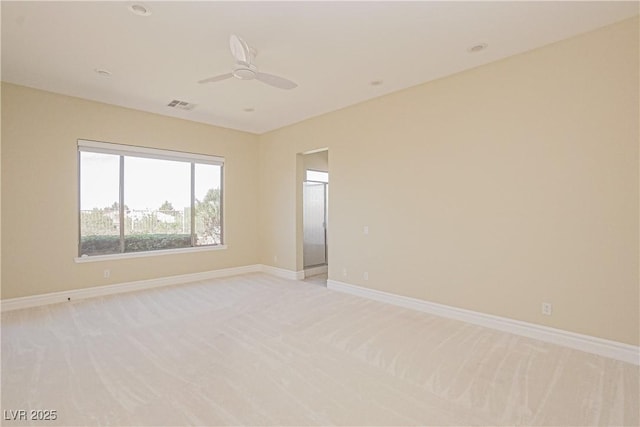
(183, 105)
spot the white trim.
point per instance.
(152, 153)
(612, 349)
(76, 294)
(313, 271)
(281, 272)
(96, 258)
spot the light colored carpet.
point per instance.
(259, 350)
(318, 279)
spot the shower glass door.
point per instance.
(315, 223)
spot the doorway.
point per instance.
(315, 218)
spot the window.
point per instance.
(317, 176)
(135, 199)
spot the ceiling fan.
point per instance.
(244, 69)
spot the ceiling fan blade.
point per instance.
(239, 49)
(275, 81)
(217, 78)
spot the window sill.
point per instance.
(98, 258)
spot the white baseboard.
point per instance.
(281, 272)
(96, 291)
(322, 269)
(76, 294)
(612, 349)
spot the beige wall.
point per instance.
(39, 190)
(492, 190)
(318, 161)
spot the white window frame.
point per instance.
(151, 153)
(316, 176)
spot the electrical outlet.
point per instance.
(344, 272)
(547, 308)
(365, 230)
(107, 274)
(366, 275)
(275, 258)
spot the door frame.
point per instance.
(300, 178)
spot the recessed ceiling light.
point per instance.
(139, 9)
(477, 48)
(103, 72)
(376, 83)
(248, 110)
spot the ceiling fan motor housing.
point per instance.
(244, 71)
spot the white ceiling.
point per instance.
(333, 50)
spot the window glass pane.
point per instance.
(157, 198)
(317, 176)
(99, 195)
(208, 204)
(170, 201)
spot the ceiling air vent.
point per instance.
(183, 105)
